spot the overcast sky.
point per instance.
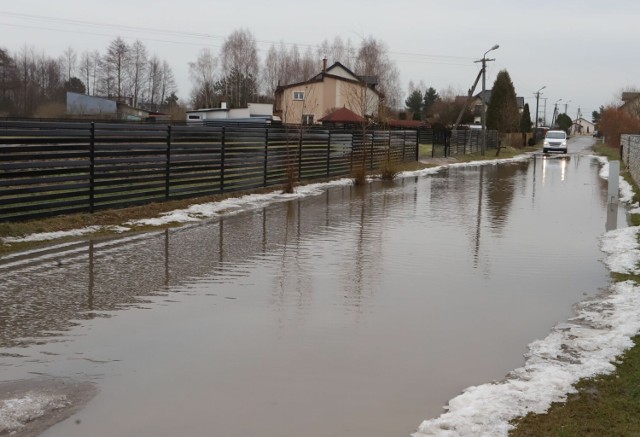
(584, 52)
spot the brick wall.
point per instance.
(631, 154)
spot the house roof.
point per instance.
(583, 120)
(342, 115)
(369, 81)
(630, 95)
(487, 98)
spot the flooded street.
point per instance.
(357, 311)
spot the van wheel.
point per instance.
(545, 151)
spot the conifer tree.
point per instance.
(525, 120)
(502, 111)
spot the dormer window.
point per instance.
(298, 95)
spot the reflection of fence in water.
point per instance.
(43, 292)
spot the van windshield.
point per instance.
(556, 135)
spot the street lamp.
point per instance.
(537, 93)
(484, 85)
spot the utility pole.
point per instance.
(544, 121)
(484, 87)
(537, 93)
(566, 105)
(577, 124)
(555, 113)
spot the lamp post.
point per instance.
(537, 93)
(566, 106)
(484, 85)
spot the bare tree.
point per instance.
(96, 59)
(167, 83)
(271, 72)
(70, 59)
(137, 66)
(25, 63)
(240, 66)
(309, 64)
(115, 62)
(373, 63)
(338, 51)
(203, 75)
(446, 109)
(86, 68)
(154, 81)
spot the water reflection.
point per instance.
(554, 164)
(383, 301)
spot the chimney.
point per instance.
(324, 65)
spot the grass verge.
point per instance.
(604, 406)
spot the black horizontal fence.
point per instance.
(457, 142)
(54, 168)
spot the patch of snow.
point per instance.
(45, 236)
(17, 412)
(235, 205)
(622, 247)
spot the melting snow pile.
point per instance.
(194, 213)
(16, 413)
(583, 347)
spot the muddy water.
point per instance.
(360, 311)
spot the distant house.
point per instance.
(334, 87)
(253, 113)
(582, 126)
(475, 105)
(82, 105)
(631, 102)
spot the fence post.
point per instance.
(222, 164)
(266, 157)
(373, 137)
(167, 164)
(351, 160)
(300, 155)
(329, 154)
(433, 143)
(92, 166)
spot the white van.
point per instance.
(555, 140)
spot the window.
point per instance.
(307, 119)
(194, 117)
(298, 95)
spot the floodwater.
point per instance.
(360, 311)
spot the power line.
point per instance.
(418, 57)
(108, 35)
